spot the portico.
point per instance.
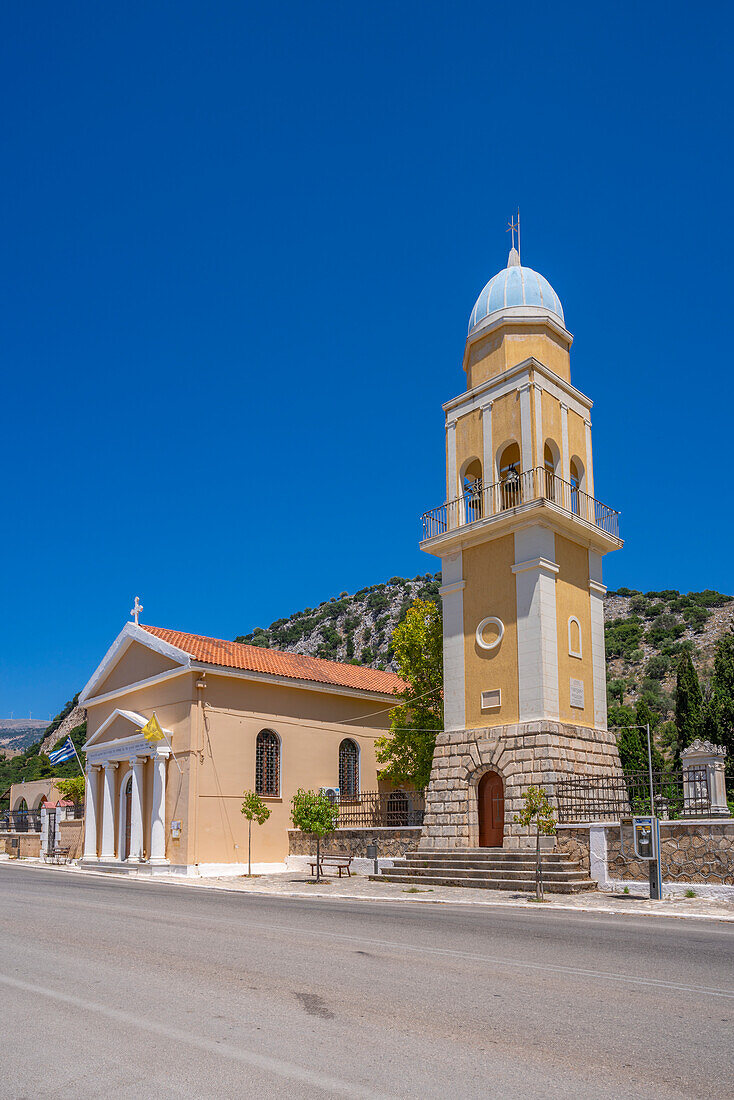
(126, 795)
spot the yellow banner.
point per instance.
(152, 730)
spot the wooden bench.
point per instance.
(340, 863)
(60, 855)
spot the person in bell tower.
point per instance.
(521, 537)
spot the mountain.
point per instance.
(645, 632)
(16, 734)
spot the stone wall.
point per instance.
(524, 754)
(29, 845)
(390, 842)
(71, 836)
(690, 852)
(575, 844)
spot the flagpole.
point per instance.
(76, 754)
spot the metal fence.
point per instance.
(20, 821)
(617, 797)
(379, 809)
(29, 821)
(480, 501)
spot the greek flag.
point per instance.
(66, 752)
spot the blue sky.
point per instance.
(240, 246)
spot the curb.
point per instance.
(509, 903)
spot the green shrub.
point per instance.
(623, 636)
(657, 667)
(696, 617)
(664, 628)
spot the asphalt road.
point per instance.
(127, 989)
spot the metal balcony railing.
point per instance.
(484, 501)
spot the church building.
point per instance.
(521, 539)
(234, 718)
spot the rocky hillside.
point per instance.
(646, 632)
(354, 628)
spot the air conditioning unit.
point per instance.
(332, 793)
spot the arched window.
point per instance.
(348, 769)
(472, 486)
(550, 464)
(574, 637)
(509, 469)
(575, 486)
(267, 763)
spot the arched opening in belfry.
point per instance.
(575, 473)
(472, 486)
(509, 475)
(551, 464)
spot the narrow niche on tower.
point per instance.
(574, 637)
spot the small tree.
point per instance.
(537, 811)
(254, 809)
(407, 750)
(72, 789)
(316, 814)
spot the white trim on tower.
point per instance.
(452, 594)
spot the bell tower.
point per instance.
(521, 537)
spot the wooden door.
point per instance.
(491, 798)
(128, 815)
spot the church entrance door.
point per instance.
(491, 798)
(128, 815)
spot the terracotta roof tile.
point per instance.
(273, 662)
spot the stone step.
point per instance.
(483, 853)
(524, 884)
(477, 874)
(558, 864)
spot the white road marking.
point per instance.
(276, 1066)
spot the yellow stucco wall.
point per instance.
(490, 590)
(136, 663)
(572, 598)
(506, 424)
(469, 444)
(512, 344)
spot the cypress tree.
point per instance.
(688, 704)
(719, 711)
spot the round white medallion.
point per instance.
(490, 621)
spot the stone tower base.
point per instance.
(525, 754)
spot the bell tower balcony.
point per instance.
(486, 511)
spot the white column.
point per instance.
(488, 478)
(454, 688)
(597, 592)
(452, 519)
(537, 632)
(539, 438)
(526, 431)
(565, 456)
(589, 486)
(136, 811)
(158, 811)
(90, 814)
(108, 812)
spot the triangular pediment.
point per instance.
(120, 725)
(133, 658)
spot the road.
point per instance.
(128, 989)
